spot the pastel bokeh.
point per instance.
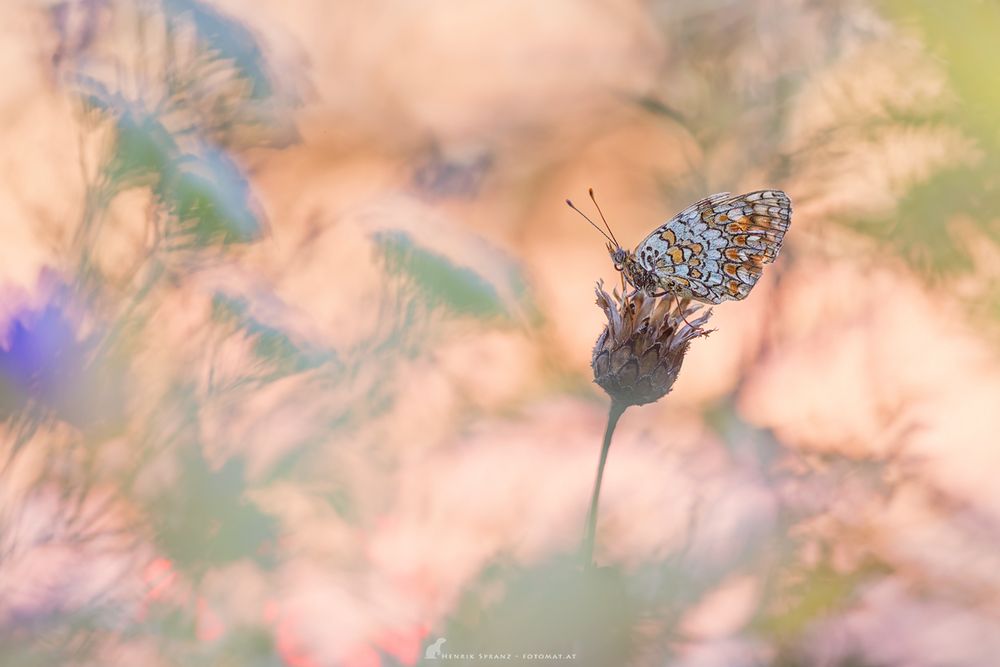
(296, 332)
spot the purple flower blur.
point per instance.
(45, 364)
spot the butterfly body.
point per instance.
(713, 250)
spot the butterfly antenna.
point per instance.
(593, 224)
(603, 219)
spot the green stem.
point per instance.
(588, 544)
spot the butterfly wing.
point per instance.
(716, 249)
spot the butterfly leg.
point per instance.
(700, 331)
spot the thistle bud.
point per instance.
(638, 355)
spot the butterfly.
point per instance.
(711, 251)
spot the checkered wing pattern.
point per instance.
(716, 249)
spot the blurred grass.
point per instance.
(437, 280)
(962, 38)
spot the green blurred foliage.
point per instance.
(818, 593)
(962, 37)
(225, 38)
(205, 520)
(210, 202)
(145, 151)
(963, 34)
(205, 195)
(277, 354)
(437, 280)
(554, 608)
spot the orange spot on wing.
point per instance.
(734, 254)
(731, 269)
(676, 254)
(668, 236)
(768, 222)
(738, 226)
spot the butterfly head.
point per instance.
(634, 273)
(618, 256)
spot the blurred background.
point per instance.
(295, 334)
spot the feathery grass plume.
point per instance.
(636, 361)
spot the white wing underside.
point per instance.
(715, 249)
